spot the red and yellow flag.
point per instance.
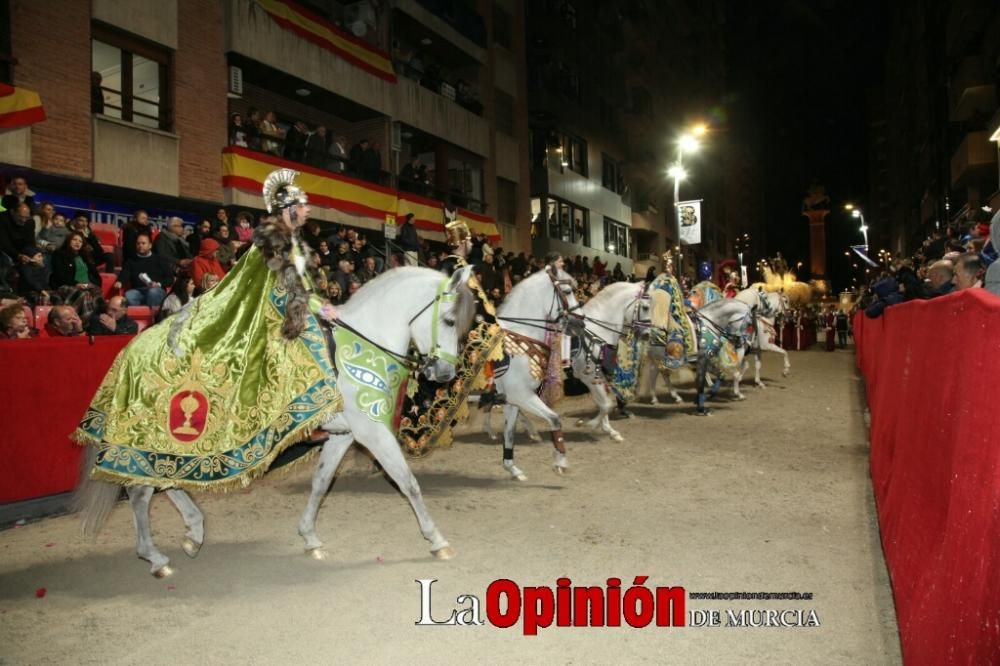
(246, 170)
(19, 107)
(326, 35)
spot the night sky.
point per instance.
(799, 73)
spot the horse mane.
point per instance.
(609, 292)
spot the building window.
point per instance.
(611, 175)
(504, 115)
(6, 48)
(572, 153)
(134, 78)
(568, 223)
(502, 27)
(506, 201)
(616, 240)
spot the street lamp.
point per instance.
(864, 227)
(688, 143)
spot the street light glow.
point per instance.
(855, 213)
(677, 172)
(688, 143)
(848, 206)
(700, 129)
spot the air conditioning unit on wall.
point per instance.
(235, 81)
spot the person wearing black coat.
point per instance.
(73, 264)
(81, 224)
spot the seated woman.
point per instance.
(180, 295)
(74, 275)
(14, 323)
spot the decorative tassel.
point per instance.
(552, 384)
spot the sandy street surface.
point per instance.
(771, 494)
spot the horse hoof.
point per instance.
(520, 477)
(654, 401)
(535, 437)
(445, 553)
(561, 471)
(784, 373)
(163, 572)
(317, 554)
(191, 547)
(580, 422)
(678, 400)
(761, 385)
(617, 437)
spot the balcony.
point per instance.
(253, 34)
(463, 20)
(337, 197)
(970, 92)
(975, 157)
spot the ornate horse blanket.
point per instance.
(207, 399)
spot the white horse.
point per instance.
(399, 307)
(767, 306)
(537, 307)
(607, 315)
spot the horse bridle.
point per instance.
(561, 318)
(423, 361)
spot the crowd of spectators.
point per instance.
(961, 256)
(315, 146)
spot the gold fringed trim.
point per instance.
(236, 483)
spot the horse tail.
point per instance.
(93, 499)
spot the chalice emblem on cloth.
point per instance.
(188, 415)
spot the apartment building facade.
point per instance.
(139, 98)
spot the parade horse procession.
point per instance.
(209, 398)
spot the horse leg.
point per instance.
(510, 413)
(700, 378)
(529, 427)
(382, 444)
(787, 366)
(329, 460)
(652, 374)
(601, 393)
(138, 498)
(756, 369)
(488, 425)
(194, 521)
(534, 405)
(670, 388)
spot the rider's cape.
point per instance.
(207, 399)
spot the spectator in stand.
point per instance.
(940, 276)
(17, 192)
(316, 148)
(172, 246)
(312, 234)
(202, 231)
(81, 225)
(910, 284)
(244, 227)
(368, 271)
(343, 275)
(33, 277)
(237, 131)
(208, 282)
(96, 94)
(64, 322)
(180, 295)
(333, 292)
(433, 262)
(207, 261)
(356, 160)
(113, 320)
(600, 268)
(17, 231)
(139, 224)
(73, 265)
(270, 134)
(222, 218)
(295, 142)
(371, 163)
(44, 213)
(52, 237)
(409, 241)
(577, 266)
(489, 279)
(14, 323)
(968, 272)
(252, 128)
(413, 177)
(886, 293)
(353, 284)
(617, 275)
(226, 252)
(326, 257)
(519, 266)
(338, 154)
(144, 275)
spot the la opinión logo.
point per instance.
(566, 605)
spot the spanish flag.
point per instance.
(19, 107)
(326, 35)
(246, 170)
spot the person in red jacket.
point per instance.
(206, 261)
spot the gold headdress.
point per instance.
(456, 232)
(280, 190)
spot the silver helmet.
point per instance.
(280, 190)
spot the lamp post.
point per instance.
(856, 212)
(688, 143)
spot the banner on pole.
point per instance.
(862, 252)
(689, 221)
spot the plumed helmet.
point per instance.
(705, 270)
(280, 190)
(456, 231)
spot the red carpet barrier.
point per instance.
(47, 386)
(932, 373)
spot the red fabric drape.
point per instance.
(931, 370)
(48, 383)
